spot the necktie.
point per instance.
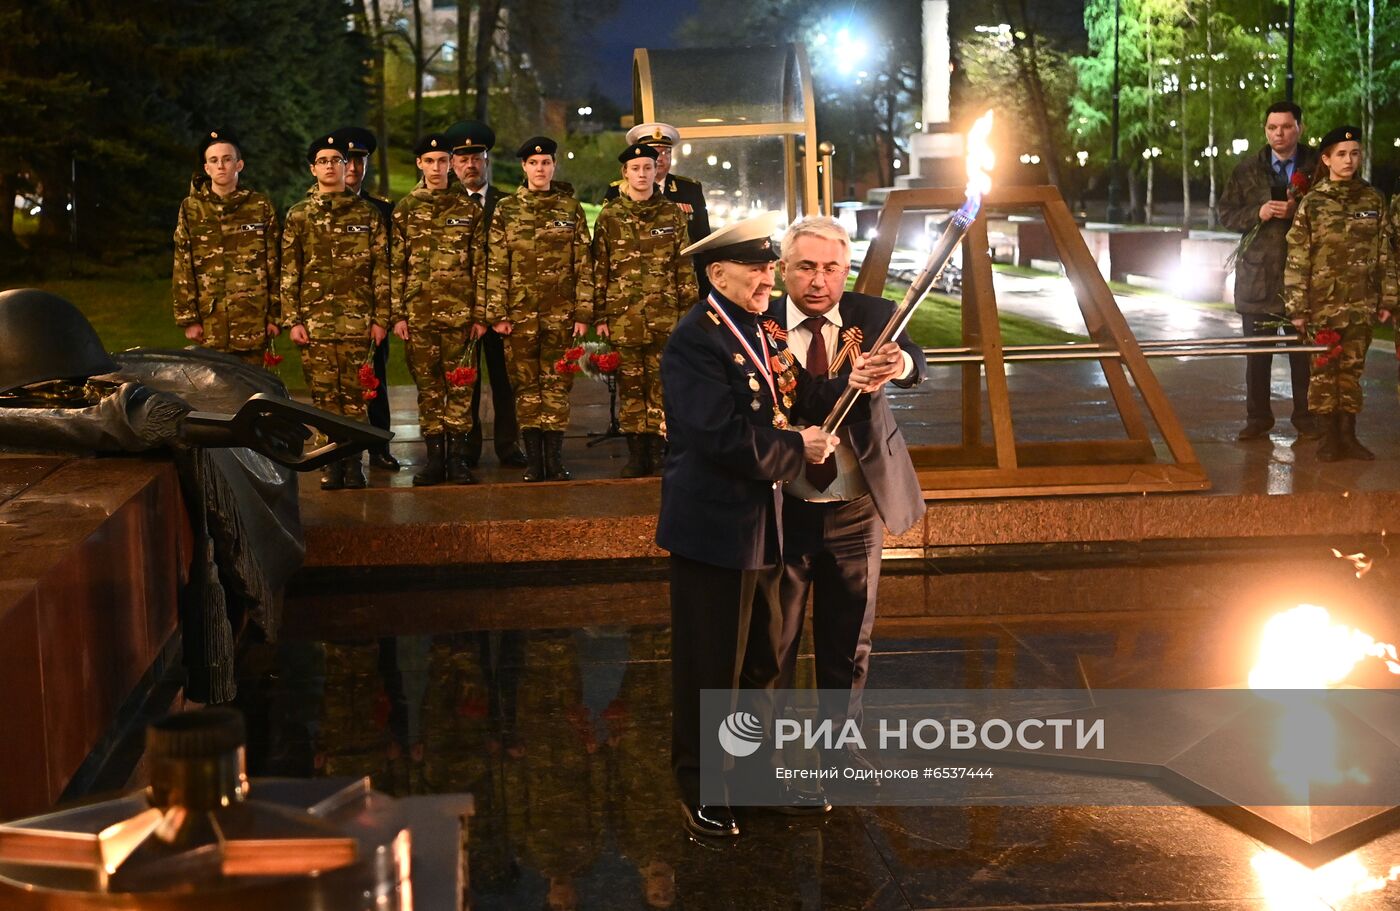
(479, 201)
(1281, 167)
(818, 365)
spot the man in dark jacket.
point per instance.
(472, 142)
(835, 514)
(731, 391)
(1263, 192)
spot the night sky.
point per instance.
(638, 23)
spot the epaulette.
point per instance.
(679, 179)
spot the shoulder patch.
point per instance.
(357, 229)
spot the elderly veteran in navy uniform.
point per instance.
(731, 393)
(359, 144)
(835, 514)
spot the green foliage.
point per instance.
(119, 93)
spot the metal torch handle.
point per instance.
(948, 241)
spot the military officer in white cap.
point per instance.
(731, 392)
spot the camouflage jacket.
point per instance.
(539, 264)
(226, 257)
(335, 269)
(1259, 269)
(439, 253)
(641, 283)
(1339, 258)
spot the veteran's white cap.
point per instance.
(747, 241)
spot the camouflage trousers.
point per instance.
(1336, 385)
(541, 394)
(332, 369)
(431, 354)
(639, 388)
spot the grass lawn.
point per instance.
(938, 323)
(136, 314)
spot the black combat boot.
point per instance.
(656, 453)
(434, 472)
(458, 472)
(1346, 433)
(636, 466)
(554, 469)
(1331, 448)
(354, 473)
(534, 454)
(333, 475)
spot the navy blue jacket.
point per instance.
(720, 498)
(870, 426)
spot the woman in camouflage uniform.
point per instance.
(1339, 278)
(641, 286)
(539, 295)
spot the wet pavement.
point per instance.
(547, 698)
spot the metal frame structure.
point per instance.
(804, 127)
(974, 468)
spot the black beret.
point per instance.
(468, 136)
(536, 145)
(331, 142)
(356, 141)
(433, 142)
(637, 151)
(1342, 134)
(214, 137)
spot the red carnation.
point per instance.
(271, 358)
(606, 362)
(1299, 182)
(461, 376)
(574, 353)
(564, 365)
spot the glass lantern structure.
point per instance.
(747, 123)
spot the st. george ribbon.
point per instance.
(980, 161)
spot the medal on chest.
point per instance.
(770, 362)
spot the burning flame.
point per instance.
(1289, 886)
(980, 158)
(1303, 649)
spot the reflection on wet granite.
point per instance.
(561, 732)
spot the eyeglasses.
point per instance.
(322, 162)
(808, 270)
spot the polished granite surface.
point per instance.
(547, 698)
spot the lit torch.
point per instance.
(980, 160)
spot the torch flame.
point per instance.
(980, 158)
(1303, 649)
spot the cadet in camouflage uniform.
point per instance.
(1339, 277)
(539, 293)
(335, 292)
(225, 277)
(438, 250)
(641, 285)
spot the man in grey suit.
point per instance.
(835, 515)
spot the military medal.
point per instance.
(738, 358)
(780, 420)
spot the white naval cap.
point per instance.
(653, 134)
(747, 241)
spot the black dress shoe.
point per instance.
(1255, 429)
(515, 459)
(384, 461)
(705, 821)
(1308, 427)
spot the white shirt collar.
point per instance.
(796, 316)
